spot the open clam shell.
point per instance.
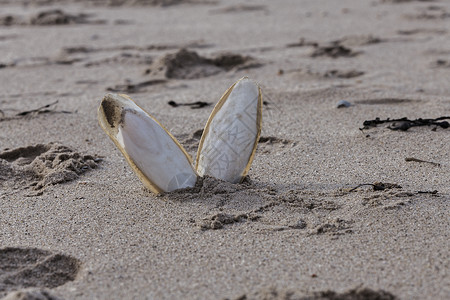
(230, 137)
(153, 153)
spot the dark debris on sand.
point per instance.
(59, 17)
(109, 3)
(334, 50)
(49, 17)
(378, 186)
(192, 105)
(45, 109)
(273, 293)
(343, 74)
(441, 63)
(186, 64)
(404, 124)
(138, 87)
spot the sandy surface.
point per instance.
(76, 223)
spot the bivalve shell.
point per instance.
(153, 153)
(230, 137)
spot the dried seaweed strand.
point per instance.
(422, 161)
(378, 186)
(42, 110)
(405, 123)
(428, 192)
(193, 105)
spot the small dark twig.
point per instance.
(422, 161)
(378, 186)
(428, 192)
(193, 105)
(41, 109)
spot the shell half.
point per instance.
(153, 153)
(230, 137)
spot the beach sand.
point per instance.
(332, 209)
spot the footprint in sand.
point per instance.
(333, 228)
(30, 267)
(422, 31)
(109, 3)
(431, 12)
(240, 8)
(404, 1)
(391, 200)
(359, 40)
(121, 54)
(269, 143)
(30, 294)
(250, 204)
(41, 165)
(186, 64)
(48, 17)
(334, 50)
(308, 74)
(272, 293)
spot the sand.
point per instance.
(332, 209)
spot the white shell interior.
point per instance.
(153, 151)
(230, 138)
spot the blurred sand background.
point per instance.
(76, 223)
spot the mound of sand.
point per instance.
(186, 64)
(42, 165)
